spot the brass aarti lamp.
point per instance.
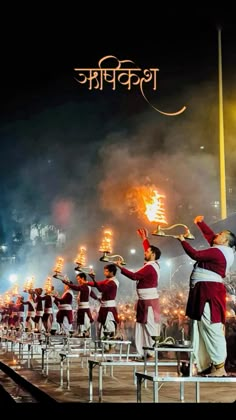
(160, 231)
(58, 269)
(106, 249)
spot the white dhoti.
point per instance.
(144, 332)
(66, 326)
(209, 341)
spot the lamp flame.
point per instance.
(15, 290)
(81, 257)
(48, 285)
(7, 298)
(106, 246)
(59, 265)
(29, 284)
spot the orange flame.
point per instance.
(146, 201)
(155, 208)
(48, 285)
(59, 265)
(15, 290)
(106, 242)
(7, 298)
(29, 284)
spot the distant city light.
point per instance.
(3, 248)
(13, 278)
(202, 147)
(216, 204)
(133, 251)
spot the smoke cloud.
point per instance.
(78, 163)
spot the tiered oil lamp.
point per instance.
(106, 249)
(29, 285)
(106, 246)
(155, 211)
(48, 287)
(7, 298)
(80, 261)
(15, 290)
(59, 268)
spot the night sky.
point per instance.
(70, 156)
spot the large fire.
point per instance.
(155, 208)
(145, 200)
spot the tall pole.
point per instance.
(221, 134)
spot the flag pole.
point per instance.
(221, 134)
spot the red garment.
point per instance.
(67, 299)
(48, 301)
(12, 317)
(211, 259)
(146, 278)
(20, 309)
(30, 309)
(108, 288)
(30, 305)
(48, 312)
(38, 302)
(142, 310)
(85, 294)
(146, 244)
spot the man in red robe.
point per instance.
(107, 315)
(84, 316)
(206, 304)
(148, 309)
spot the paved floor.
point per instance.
(117, 389)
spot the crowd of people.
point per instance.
(205, 308)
